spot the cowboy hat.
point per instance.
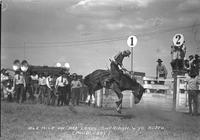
(127, 52)
(159, 60)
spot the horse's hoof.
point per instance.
(117, 103)
(119, 110)
(136, 100)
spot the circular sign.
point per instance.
(178, 39)
(132, 41)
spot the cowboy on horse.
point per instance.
(115, 79)
(117, 68)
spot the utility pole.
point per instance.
(0, 44)
(24, 50)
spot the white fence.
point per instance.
(159, 94)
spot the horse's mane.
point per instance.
(96, 75)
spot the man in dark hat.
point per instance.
(161, 71)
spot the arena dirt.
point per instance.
(35, 122)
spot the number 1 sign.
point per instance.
(178, 39)
(132, 41)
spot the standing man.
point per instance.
(196, 64)
(34, 83)
(192, 87)
(161, 71)
(42, 87)
(50, 90)
(178, 55)
(60, 86)
(19, 85)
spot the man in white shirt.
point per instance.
(19, 86)
(60, 86)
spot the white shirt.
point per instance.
(34, 77)
(49, 81)
(19, 79)
(61, 81)
(42, 81)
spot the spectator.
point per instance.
(161, 71)
(19, 86)
(196, 64)
(42, 87)
(192, 88)
(67, 88)
(9, 91)
(51, 90)
(60, 86)
(178, 55)
(75, 88)
(34, 83)
(187, 65)
(191, 59)
(193, 65)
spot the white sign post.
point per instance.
(131, 42)
(178, 40)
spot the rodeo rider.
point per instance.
(117, 67)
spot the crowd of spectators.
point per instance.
(43, 88)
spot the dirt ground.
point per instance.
(41, 122)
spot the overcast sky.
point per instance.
(86, 33)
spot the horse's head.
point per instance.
(138, 93)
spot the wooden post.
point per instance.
(99, 97)
(174, 91)
(177, 91)
(131, 100)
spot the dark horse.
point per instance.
(96, 80)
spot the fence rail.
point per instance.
(159, 93)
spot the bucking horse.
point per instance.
(97, 79)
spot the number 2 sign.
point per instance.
(178, 39)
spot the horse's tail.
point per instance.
(86, 80)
